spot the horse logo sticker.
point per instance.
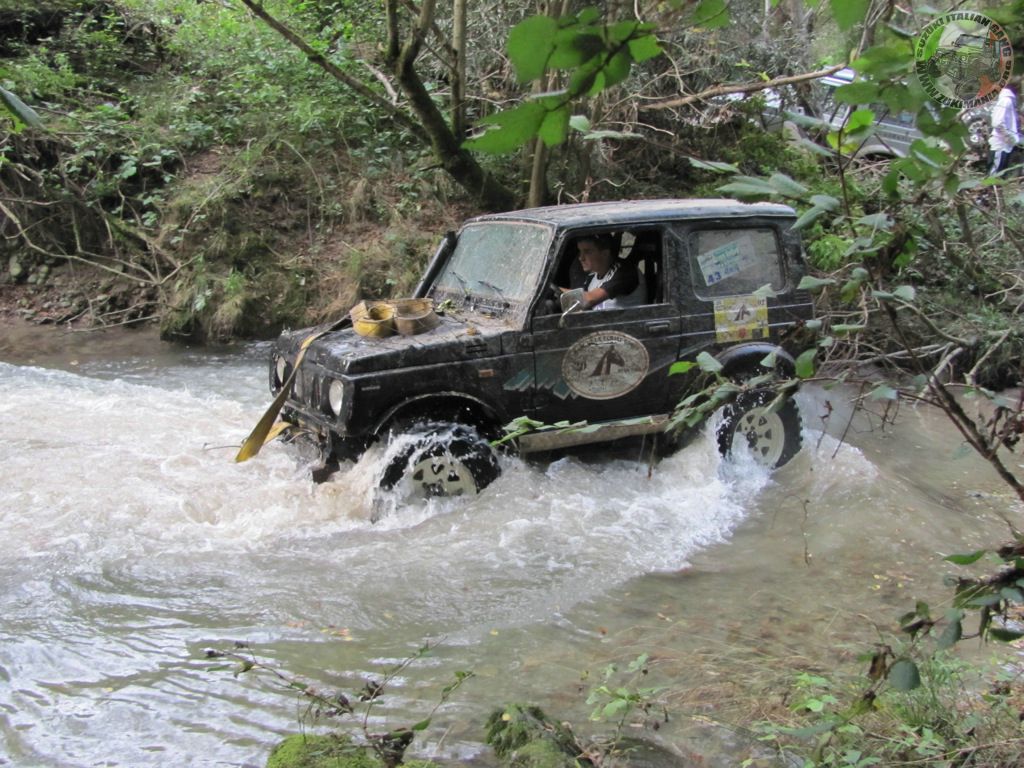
(605, 365)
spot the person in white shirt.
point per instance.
(1005, 134)
(607, 282)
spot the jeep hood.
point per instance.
(454, 339)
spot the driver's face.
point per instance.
(593, 258)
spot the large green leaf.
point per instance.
(904, 676)
(805, 363)
(711, 14)
(967, 559)
(644, 47)
(681, 366)
(859, 120)
(708, 362)
(857, 93)
(530, 44)
(787, 186)
(616, 69)
(849, 12)
(950, 635)
(809, 217)
(810, 283)
(20, 109)
(827, 202)
(512, 128)
(713, 165)
(573, 47)
(883, 62)
(555, 126)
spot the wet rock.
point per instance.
(332, 750)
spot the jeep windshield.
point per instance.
(495, 263)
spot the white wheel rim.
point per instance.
(442, 475)
(764, 434)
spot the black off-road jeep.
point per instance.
(505, 349)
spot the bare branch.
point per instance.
(722, 90)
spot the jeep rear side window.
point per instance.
(733, 262)
(495, 261)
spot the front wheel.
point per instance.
(440, 460)
(772, 437)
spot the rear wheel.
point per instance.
(772, 436)
(447, 459)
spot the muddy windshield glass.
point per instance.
(495, 262)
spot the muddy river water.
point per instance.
(130, 543)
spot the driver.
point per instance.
(607, 282)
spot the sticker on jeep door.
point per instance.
(739, 318)
(604, 365)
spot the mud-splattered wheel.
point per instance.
(772, 437)
(440, 460)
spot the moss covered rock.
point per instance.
(524, 737)
(330, 751)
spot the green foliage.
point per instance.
(839, 721)
(594, 55)
(618, 696)
(849, 12)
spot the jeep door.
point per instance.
(600, 365)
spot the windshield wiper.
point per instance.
(493, 287)
(462, 283)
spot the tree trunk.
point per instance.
(447, 147)
(429, 125)
(459, 70)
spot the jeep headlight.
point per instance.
(336, 396)
(299, 386)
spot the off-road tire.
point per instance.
(443, 459)
(772, 438)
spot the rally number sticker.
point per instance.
(740, 318)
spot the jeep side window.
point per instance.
(734, 262)
(643, 248)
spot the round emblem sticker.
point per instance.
(963, 59)
(605, 365)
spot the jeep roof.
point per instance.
(637, 212)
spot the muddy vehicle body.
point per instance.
(505, 349)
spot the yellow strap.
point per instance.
(263, 432)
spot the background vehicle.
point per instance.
(504, 349)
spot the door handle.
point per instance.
(663, 326)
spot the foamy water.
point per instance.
(130, 541)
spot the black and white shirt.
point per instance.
(621, 282)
